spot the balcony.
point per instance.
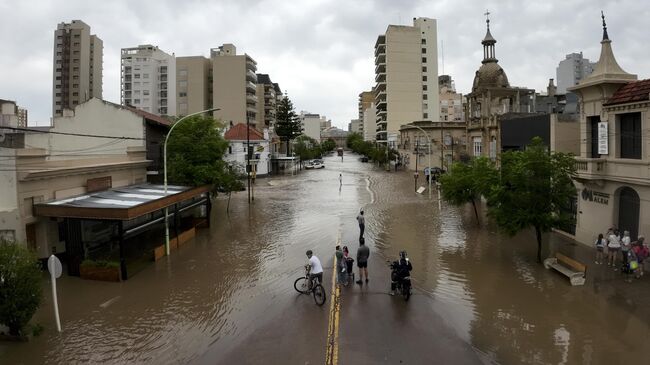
(250, 76)
(251, 98)
(380, 58)
(250, 86)
(613, 169)
(250, 64)
(380, 68)
(380, 77)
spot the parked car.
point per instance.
(318, 165)
(309, 165)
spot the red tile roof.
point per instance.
(238, 133)
(632, 92)
(151, 117)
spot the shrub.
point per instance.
(20, 286)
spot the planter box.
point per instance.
(100, 273)
(186, 236)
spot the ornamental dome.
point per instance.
(490, 74)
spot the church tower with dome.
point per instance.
(492, 97)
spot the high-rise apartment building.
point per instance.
(451, 102)
(266, 102)
(571, 70)
(148, 79)
(234, 85)
(366, 98)
(193, 84)
(77, 66)
(406, 72)
(312, 124)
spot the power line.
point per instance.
(69, 134)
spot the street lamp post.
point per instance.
(429, 157)
(165, 170)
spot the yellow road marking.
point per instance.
(332, 351)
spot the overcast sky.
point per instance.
(321, 52)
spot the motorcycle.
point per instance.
(401, 283)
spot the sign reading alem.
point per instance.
(602, 138)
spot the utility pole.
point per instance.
(417, 157)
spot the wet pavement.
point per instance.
(228, 297)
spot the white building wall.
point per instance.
(370, 123)
(148, 84)
(429, 33)
(237, 154)
(311, 126)
(571, 70)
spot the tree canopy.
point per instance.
(373, 151)
(534, 187)
(287, 125)
(466, 183)
(530, 189)
(195, 153)
(20, 286)
(307, 148)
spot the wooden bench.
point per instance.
(575, 271)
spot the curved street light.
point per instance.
(417, 155)
(165, 170)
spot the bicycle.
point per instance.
(306, 285)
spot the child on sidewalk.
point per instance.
(600, 248)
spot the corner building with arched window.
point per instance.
(613, 169)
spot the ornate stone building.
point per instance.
(613, 170)
(491, 97)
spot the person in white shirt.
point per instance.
(613, 246)
(315, 268)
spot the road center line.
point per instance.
(332, 350)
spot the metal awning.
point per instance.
(121, 203)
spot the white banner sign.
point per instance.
(602, 138)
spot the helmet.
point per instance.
(309, 253)
(402, 254)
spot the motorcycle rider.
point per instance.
(400, 271)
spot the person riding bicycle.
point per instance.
(402, 270)
(315, 268)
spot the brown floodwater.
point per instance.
(211, 295)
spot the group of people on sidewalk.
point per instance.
(632, 253)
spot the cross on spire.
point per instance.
(487, 18)
(605, 36)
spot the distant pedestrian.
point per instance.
(600, 248)
(362, 224)
(626, 245)
(348, 262)
(642, 253)
(427, 173)
(613, 247)
(362, 260)
(340, 179)
(339, 264)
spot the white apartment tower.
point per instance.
(406, 72)
(571, 70)
(149, 79)
(78, 57)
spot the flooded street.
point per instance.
(228, 297)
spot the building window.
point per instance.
(477, 144)
(424, 50)
(145, 76)
(145, 92)
(182, 94)
(424, 78)
(424, 59)
(424, 68)
(630, 135)
(424, 87)
(425, 115)
(424, 41)
(136, 101)
(137, 76)
(182, 84)
(425, 96)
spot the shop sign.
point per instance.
(595, 196)
(602, 138)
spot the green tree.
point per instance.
(195, 153)
(466, 183)
(352, 139)
(533, 187)
(328, 145)
(230, 180)
(306, 148)
(20, 286)
(287, 125)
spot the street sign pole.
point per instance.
(55, 269)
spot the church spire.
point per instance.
(605, 36)
(488, 42)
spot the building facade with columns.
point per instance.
(613, 170)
